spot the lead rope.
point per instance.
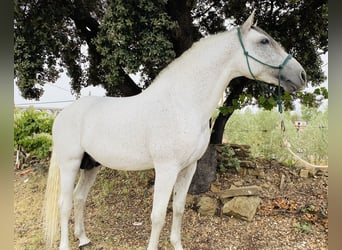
(279, 101)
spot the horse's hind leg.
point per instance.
(86, 181)
(179, 197)
(68, 173)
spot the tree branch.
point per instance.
(88, 28)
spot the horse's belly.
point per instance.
(119, 153)
(128, 163)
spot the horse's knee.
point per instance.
(178, 208)
(157, 219)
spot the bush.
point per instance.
(32, 132)
(227, 158)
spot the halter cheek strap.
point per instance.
(280, 67)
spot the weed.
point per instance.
(303, 227)
(108, 187)
(290, 162)
(228, 159)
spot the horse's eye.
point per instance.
(265, 41)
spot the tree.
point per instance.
(123, 37)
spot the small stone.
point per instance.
(266, 185)
(190, 200)
(259, 173)
(238, 183)
(282, 182)
(304, 173)
(207, 206)
(247, 164)
(242, 207)
(214, 188)
(312, 172)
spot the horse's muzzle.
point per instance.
(293, 82)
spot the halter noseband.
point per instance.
(280, 67)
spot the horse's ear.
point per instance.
(248, 23)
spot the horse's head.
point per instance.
(264, 59)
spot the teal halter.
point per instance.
(280, 67)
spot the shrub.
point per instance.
(32, 132)
(227, 159)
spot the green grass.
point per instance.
(262, 131)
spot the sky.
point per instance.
(58, 95)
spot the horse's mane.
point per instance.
(199, 50)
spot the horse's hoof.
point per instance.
(85, 246)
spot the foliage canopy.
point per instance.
(103, 42)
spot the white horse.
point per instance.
(166, 127)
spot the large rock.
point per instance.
(205, 173)
(242, 207)
(207, 206)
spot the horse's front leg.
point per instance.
(166, 175)
(179, 197)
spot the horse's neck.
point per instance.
(197, 80)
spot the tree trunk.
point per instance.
(185, 34)
(216, 136)
(205, 173)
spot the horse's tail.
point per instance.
(51, 208)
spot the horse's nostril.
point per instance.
(303, 76)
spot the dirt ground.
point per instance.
(293, 213)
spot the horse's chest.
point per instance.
(184, 144)
(199, 147)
